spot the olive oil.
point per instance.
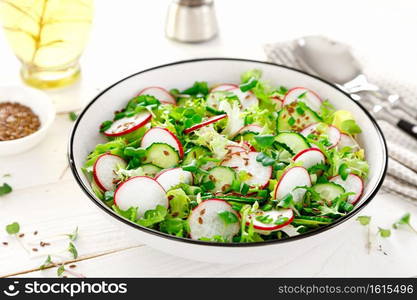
(48, 37)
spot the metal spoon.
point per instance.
(335, 62)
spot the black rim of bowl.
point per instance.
(319, 230)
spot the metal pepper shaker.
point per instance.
(191, 21)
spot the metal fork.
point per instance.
(379, 110)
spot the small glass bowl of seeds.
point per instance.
(25, 116)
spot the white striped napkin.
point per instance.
(402, 149)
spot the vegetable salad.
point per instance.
(234, 162)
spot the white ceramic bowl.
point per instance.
(40, 104)
(219, 70)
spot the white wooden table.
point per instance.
(128, 37)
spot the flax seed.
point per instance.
(17, 121)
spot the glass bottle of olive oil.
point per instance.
(48, 37)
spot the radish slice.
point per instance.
(307, 96)
(348, 141)
(205, 222)
(129, 124)
(159, 93)
(278, 102)
(224, 87)
(271, 217)
(205, 123)
(162, 135)
(310, 157)
(235, 149)
(352, 184)
(332, 132)
(104, 170)
(172, 177)
(248, 146)
(292, 178)
(244, 161)
(142, 192)
(247, 99)
(250, 128)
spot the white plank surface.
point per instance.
(47, 200)
(344, 256)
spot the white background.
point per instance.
(128, 36)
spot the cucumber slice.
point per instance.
(150, 169)
(222, 177)
(162, 135)
(195, 153)
(162, 155)
(290, 119)
(328, 191)
(295, 141)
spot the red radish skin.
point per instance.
(332, 132)
(155, 190)
(358, 180)
(205, 123)
(278, 101)
(314, 102)
(224, 87)
(147, 117)
(302, 154)
(170, 139)
(95, 171)
(273, 228)
(159, 93)
(283, 177)
(249, 146)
